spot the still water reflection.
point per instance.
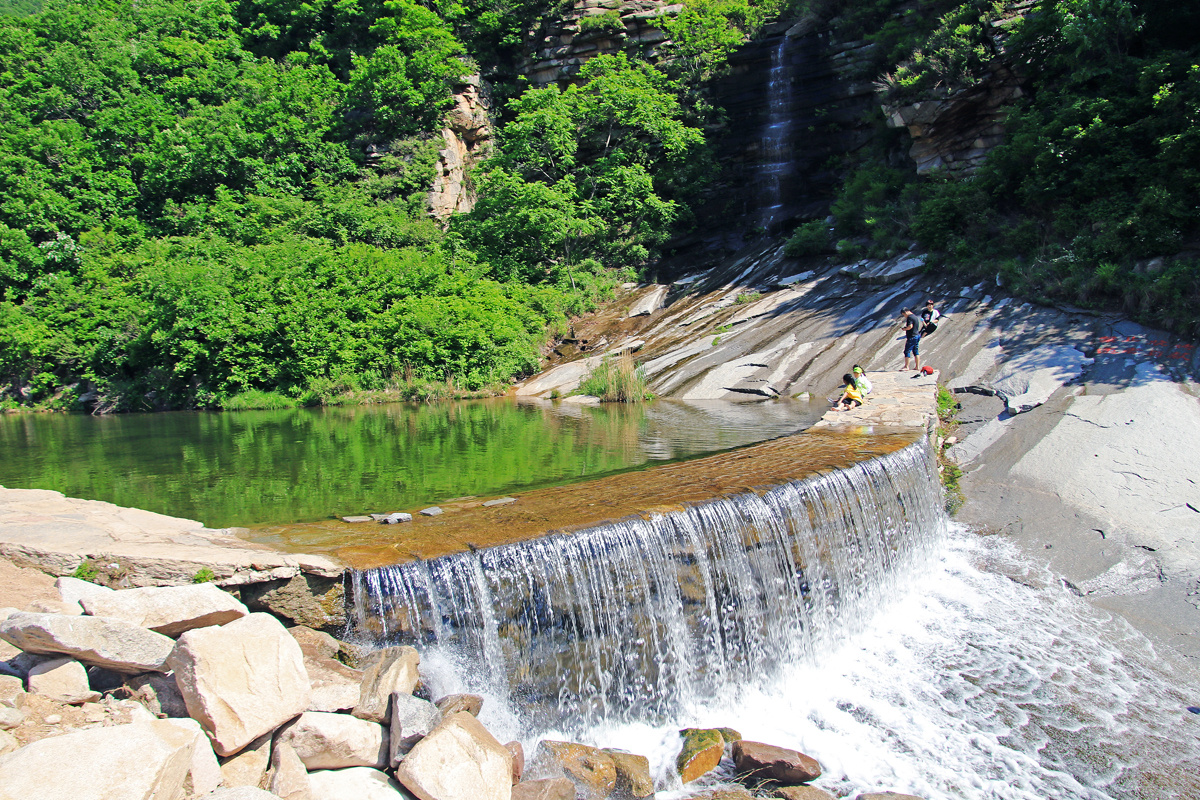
(261, 467)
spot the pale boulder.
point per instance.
(412, 720)
(97, 641)
(458, 760)
(288, 777)
(55, 607)
(204, 774)
(240, 793)
(169, 610)
(240, 680)
(392, 669)
(63, 679)
(355, 783)
(140, 761)
(248, 767)
(73, 590)
(336, 741)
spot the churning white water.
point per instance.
(969, 684)
(843, 616)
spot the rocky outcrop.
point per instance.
(465, 140)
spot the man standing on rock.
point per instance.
(912, 340)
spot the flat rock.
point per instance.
(336, 741)
(109, 643)
(288, 777)
(779, 764)
(1026, 381)
(169, 610)
(363, 518)
(590, 769)
(391, 669)
(248, 767)
(63, 679)
(56, 533)
(240, 680)
(453, 703)
(354, 783)
(412, 720)
(801, 793)
(239, 793)
(458, 760)
(139, 761)
(649, 302)
(432, 511)
(499, 501)
(548, 789)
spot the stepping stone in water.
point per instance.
(500, 501)
(393, 518)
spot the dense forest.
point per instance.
(222, 203)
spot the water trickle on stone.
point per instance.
(777, 160)
(629, 620)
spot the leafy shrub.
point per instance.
(609, 20)
(809, 239)
(256, 399)
(204, 575)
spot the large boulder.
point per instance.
(779, 764)
(458, 760)
(355, 783)
(169, 610)
(392, 669)
(700, 752)
(140, 761)
(248, 767)
(240, 680)
(548, 789)
(633, 774)
(98, 641)
(288, 777)
(336, 741)
(412, 720)
(62, 679)
(593, 771)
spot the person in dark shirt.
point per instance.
(912, 340)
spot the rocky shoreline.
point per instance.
(180, 692)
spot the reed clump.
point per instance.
(617, 380)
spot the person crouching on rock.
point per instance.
(861, 382)
(851, 396)
(912, 340)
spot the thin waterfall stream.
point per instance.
(777, 161)
(842, 614)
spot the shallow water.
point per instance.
(965, 684)
(299, 465)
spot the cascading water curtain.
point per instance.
(627, 620)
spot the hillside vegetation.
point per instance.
(222, 203)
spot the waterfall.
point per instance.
(777, 160)
(630, 619)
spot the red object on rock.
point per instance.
(774, 763)
(926, 370)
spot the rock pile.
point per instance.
(180, 692)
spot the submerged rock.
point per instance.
(591, 770)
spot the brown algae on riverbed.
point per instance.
(468, 524)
